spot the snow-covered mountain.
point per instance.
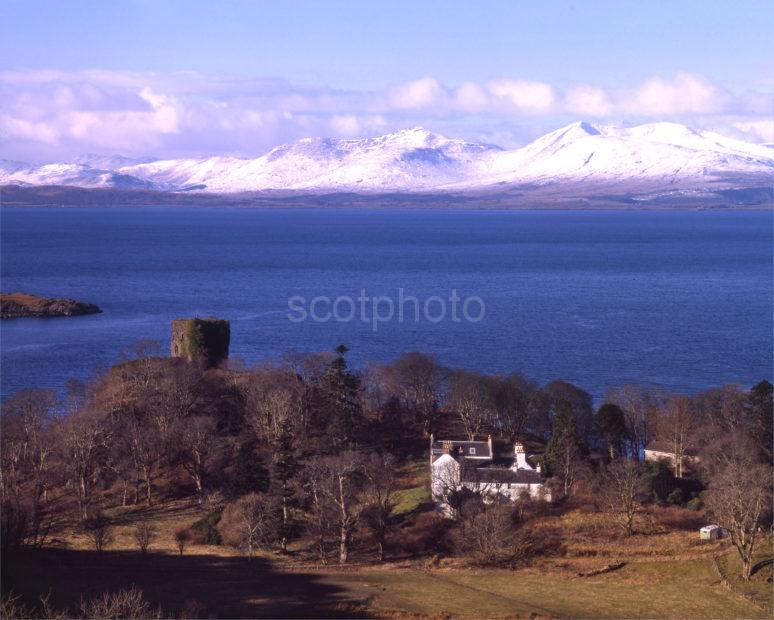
(78, 175)
(657, 157)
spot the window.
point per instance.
(472, 450)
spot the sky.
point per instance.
(187, 78)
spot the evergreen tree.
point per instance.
(340, 405)
(566, 447)
(760, 410)
(610, 423)
(249, 473)
(284, 467)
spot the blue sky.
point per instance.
(194, 78)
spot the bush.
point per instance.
(658, 479)
(488, 536)
(14, 525)
(182, 538)
(676, 518)
(588, 508)
(144, 534)
(676, 497)
(129, 604)
(205, 530)
(99, 531)
(249, 523)
(426, 534)
(695, 504)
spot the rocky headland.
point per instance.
(25, 305)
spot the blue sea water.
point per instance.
(681, 299)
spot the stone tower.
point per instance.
(203, 340)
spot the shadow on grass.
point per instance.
(131, 515)
(761, 565)
(222, 586)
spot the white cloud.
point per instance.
(21, 129)
(588, 101)
(346, 125)
(417, 94)
(471, 97)
(525, 96)
(757, 130)
(58, 114)
(685, 94)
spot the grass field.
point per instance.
(667, 573)
(237, 587)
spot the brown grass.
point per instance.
(666, 574)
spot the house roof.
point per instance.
(481, 448)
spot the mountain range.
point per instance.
(657, 159)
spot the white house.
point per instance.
(475, 466)
(664, 450)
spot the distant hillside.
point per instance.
(655, 162)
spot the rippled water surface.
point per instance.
(677, 298)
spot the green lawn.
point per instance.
(410, 499)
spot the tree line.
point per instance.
(304, 444)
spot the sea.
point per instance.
(675, 298)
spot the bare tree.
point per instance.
(148, 399)
(580, 403)
(739, 494)
(418, 381)
(723, 408)
(248, 523)
(129, 604)
(468, 396)
(197, 441)
(321, 514)
(274, 399)
(514, 401)
(638, 404)
(182, 538)
(445, 483)
(564, 452)
(620, 482)
(676, 425)
(308, 369)
(99, 531)
(489, 534)
(337, 481)
(144, 534)
(27, 469)
(85, 442)
(380, 476)
(147, 445)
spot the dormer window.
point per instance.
(472, 450)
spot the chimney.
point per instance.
(520, 462)
(448, 446)
(489, 441)
(537, 468)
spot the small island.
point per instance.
(25, 305)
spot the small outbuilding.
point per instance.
(711, 532)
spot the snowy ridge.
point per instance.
(665, 155)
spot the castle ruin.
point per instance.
(203, 340)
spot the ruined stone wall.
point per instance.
(201, 340)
